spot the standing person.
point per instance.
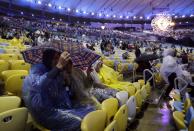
(137, 51)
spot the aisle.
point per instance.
(156, 119)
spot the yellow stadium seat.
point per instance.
(8, 73)
(148, 88)
(13, 120)
(141, 82)
(138, 100)
(94, 121)
(121, 117)
(131, 90)
(12, 51)
(143, 93)
(110, 106)
(179, 120)
(137, 85)
(19, 65)
(14, 84)
(112, 126)
(9, 102)
(4, 65)
(187, 104)
(8, 57)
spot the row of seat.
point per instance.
(183, 112)
(117, 113)
(11, 57)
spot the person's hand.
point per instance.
(89, 70)
(63, 60)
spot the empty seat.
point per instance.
(8, 73)
(19, 65)
(131, 104)
(110, 106)
(8, 57)
(141, 82)
(138, 100)
(112, 126)
(179, 120)
(14, 84)
(94, 121)
(12, 51)
(9, 102)
(143, 93)
(122, 96)
(121, 117)
(131, 90)
(13, 120)
(4, 65)
(137, 85)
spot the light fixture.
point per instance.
(107, 15)
(148, 18)
(60, 19)
(50, 5)
(176, 17)
(53, 18)
(92, 13)
(77, 11)
(32, 15)
(68, 9)
(21, 13)
(187, 22)
(103, 27)
(162, 24)
(191, 15)
(127, 17)
(114, 16)
(60, 7)
(100, 14)
(183, 16)
(84, 12)
(39, 2)
(141, 17)
(121, 16)
(134, 17)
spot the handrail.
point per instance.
(152, 76)
(176, 81)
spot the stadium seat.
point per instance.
(4, 65)
(137, 85)
(8, 57)
(143, 93)
(14, 84)
(141, 82)
(121, 117)
(9, 102)
(8, 73)
(131, 90)
(122, 96)
(131, 104)
(148, 88)
(179, 106)
(112, 126)
(13, 120)
(138, 100)
(179, 120)
(12, 51)
(110, 106)
(19, 65)
(94, 121)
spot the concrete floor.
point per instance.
(157, 116)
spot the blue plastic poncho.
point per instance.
(50, 102)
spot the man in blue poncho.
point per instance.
(53, 92)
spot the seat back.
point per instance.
(19, 65)
(187, 104)
(189, 115)
(131, 90)
(141, 82)
(121, 117)
(110, 106)
(8, 73)
(148, 88)
(13, 120)
(8, 57)
(138, 98)
(131, 104)
(12, 51)
(179, 120)
(122, 96)
(143, 92)
(112, 126)
(14, 84)
(4, 65)
(94, 121)
(9, 102)
(137, 86)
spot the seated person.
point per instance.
(108, 49)
(53, 93)
(99, 90)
